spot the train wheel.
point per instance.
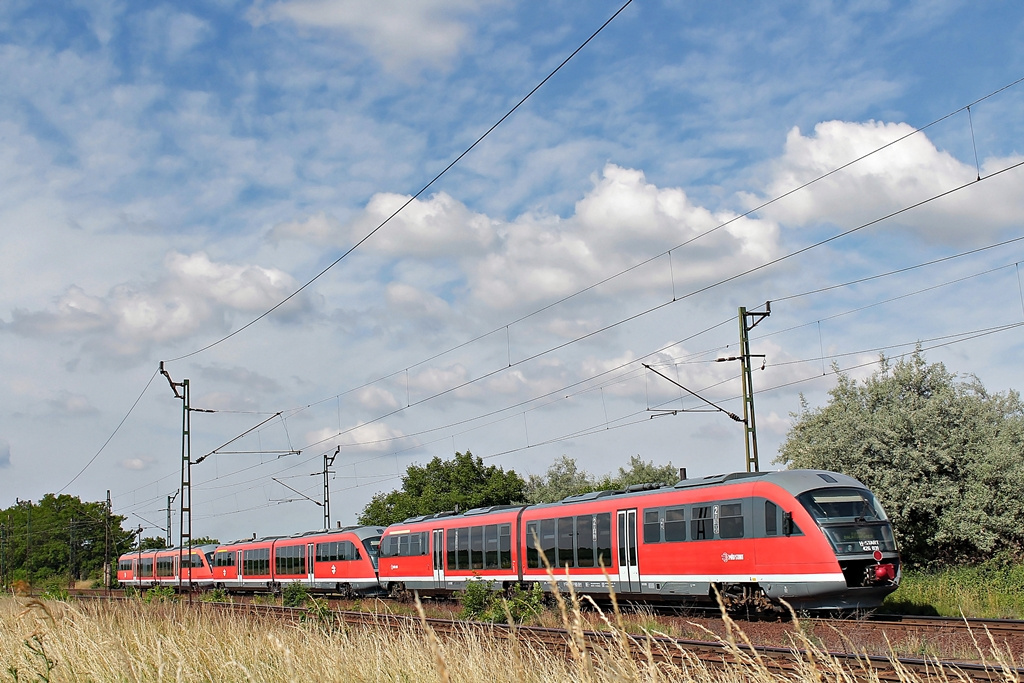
(400, 592)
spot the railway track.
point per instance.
(680, 652)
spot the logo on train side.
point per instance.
(731, 556)
(334, 569)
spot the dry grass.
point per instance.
(170, 642)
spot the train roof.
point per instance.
(361, 532)
(195, 549)
(794, 482)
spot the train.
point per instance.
(814, 539)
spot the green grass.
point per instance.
(992, 590)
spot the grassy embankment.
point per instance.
(994, 590)
(137, 641)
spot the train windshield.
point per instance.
(829, 506)
(853, 520)
(372, 546)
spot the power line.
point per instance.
(112, 435)
(415, 196)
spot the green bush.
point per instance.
(160, 594)
(481, 601)
(294, 595)
(55, 592)
(215, 595)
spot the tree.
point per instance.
(59, 536)
(641, 472)
(945, 457)
(461, 483)
(564, 478)
(152, 543)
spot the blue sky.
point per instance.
(171, 171)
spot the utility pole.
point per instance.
(185, 530)
(170, 500)
(749, 426)
(106, 544)
(328, 461)
(71, 552)
(28, 536)
(3, 552)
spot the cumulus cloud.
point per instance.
(901, 175)
(244, 377)
(536, 257)
(401, 35)
(193, 292)
(375, 398)
(374, 436)
(137, 464)
(71, 405)
(621, 221)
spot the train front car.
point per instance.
(858, 534)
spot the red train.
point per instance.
(818, 540)
(167, 567)
(341, 561)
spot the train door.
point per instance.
(629, 571)
(238, 565)
(310, 576)
(438, 555)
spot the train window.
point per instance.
(256, 562)
(675, 524)
(491, 546)
(604, 540)
(842, 505)
(730, 520)
(505, 546)
(652, 526)
(450, 545)
(585, 540)
(547, 540)
(290, 559)
(414, 544)
(699, 518)
(532, 539)
(165, 566)
(462, 556)
(771, 519)
(566, 542)
(476, 547)
(146, 566)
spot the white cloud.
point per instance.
(399, 34)
(137, 464)
(375, 398)
(72, 405)
(319, 228)
(194, 291)
(374, 437)
(408, 300)
(901, 175)
(184, 32)
(620, 222)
